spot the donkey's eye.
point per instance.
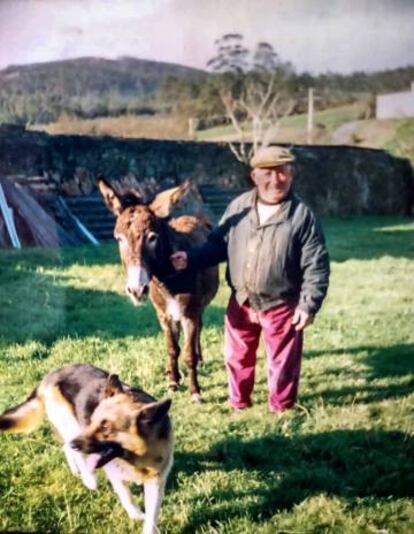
(152, 238)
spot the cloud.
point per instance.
(339, 35)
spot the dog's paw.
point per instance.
(150, 529)
(74, 469)
(89, 480)
(135, 513)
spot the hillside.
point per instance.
(84, 75)
(94, 87)
(86, 87)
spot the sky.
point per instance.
(314, 35)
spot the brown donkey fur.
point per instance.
(147, 237)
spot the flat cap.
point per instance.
(271, 156)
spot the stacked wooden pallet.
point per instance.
(218, 198)
(92, 213)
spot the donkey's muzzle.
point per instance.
(138, 294)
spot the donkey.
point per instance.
(147, 237)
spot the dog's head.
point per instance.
(123, 427)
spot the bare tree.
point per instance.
(253, 90)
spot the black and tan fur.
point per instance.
(104, 423)
(147, 236)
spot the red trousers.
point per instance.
(283, 345)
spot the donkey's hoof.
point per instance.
(196, 397)
(173, 386)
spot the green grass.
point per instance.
(330, 118)
(402, 144)
(342, 462)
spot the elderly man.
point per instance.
(278, 271)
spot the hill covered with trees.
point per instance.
(85, 87)
(95, 87)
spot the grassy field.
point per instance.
(293, 128)
(128, 126)
(402, 144)
(343, 461)
(170, 127)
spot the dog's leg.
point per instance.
(79, 466)
(114, 476)
(153, 494)
(62, 418)
(70, 458)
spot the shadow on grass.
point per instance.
(394, 362)
(31, 258)
(42, 307)
(345, 463)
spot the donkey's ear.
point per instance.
(111, 198)
(113, 386)
(163, 203)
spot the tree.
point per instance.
(253, 87)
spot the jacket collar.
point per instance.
(280, 216)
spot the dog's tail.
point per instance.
(25, 417)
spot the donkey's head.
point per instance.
(140, 230)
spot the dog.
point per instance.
(106, 424)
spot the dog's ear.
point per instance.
(152, 414)
(113, 386)
(110, 196)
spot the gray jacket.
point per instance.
(283, 260)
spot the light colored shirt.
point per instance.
(265, 211)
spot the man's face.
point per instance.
(273, 183)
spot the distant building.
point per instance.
(396, 105)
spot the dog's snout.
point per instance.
(77, 444)
(86, 445)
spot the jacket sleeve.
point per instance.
(212, 251)
(314, 263)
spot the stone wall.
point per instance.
(347, 180)
(332, 179)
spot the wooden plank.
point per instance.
(34, 226)
(9, 220)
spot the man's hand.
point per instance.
(301, 319)
(179, 260)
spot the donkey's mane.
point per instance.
(131, 198)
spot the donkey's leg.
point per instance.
(200, 360)
(171, 334)
(190, 328)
